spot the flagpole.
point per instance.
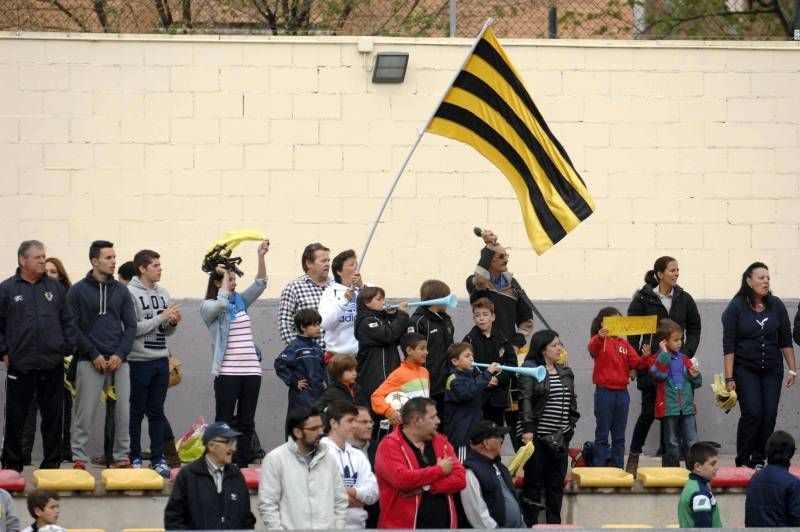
(419, 138)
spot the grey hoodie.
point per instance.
(151, 329)
(9, 522)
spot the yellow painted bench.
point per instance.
(602, 477)
(132, 480)
(663, 477)
(63, 480)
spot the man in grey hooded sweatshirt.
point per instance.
(156, 319)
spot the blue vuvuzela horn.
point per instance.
(450, 301)
(538, 373)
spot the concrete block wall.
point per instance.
(690, 149)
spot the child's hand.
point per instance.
(662, 346)
(493, 382)
(302, 384)
(632, 375)
(646, 351)
(403, 306)
(493, 368)
(395, 418)
(694, 371)
(602, 333)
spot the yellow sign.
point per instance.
(628, 325)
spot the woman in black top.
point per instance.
(660, 296)
(549, 413)
(756, 339)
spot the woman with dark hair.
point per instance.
(660, 296)
(236, 361)
(549, 414)
(337, 306)
(756, 339)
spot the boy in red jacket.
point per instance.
(613, 358)
(418, 472)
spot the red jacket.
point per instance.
(613, 357)
(398, 471)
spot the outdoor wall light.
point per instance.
(390, 67)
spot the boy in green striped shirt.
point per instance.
(697, 507)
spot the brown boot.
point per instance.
(633, 464)
(171, 454)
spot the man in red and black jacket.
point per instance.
(418, 472)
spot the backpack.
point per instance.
(583, 457)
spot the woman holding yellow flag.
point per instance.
(660, 296)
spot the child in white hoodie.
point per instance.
(359, 480)
(338, 305)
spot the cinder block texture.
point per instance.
(690, 149)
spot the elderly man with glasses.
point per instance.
(210, 493)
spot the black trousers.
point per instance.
(759, 392)
(544, 475)
(29, 431)
(48, 387)
(237, 398)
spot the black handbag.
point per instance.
(555, 442)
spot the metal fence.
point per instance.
(572, 19)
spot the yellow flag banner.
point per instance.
(630, 325)
(489, 108)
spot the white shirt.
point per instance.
(356, 473)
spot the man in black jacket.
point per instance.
(37, 329)
(107, 327)
(489, 500)
(210, 493)
(493, 281)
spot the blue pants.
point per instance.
(674, 427)
(611, 415)
(149, 383)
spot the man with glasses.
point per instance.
(301, 486)
(489, 500)
(362, 440)
(210, 493)
(514, 315)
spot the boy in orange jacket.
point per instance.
(411, 378)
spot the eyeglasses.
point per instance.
(365, 421)
(316, 428)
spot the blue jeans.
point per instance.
(674, 426)
(611, 415)
(149, 382)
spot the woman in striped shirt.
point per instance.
(549, 414)
(236, 362)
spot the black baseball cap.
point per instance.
(219, 430)
(484, 429)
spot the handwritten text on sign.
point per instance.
(628, 325)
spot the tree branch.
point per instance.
(70, 15)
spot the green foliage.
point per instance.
(671, 19)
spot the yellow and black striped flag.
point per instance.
(488, 108)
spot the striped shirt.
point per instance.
(555, 416)
(240, 354)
